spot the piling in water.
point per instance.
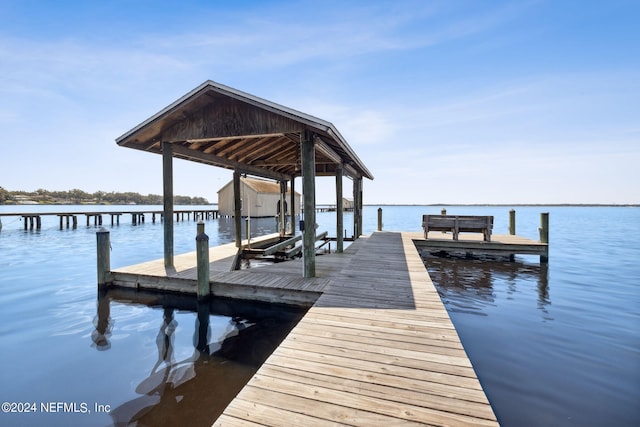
(104, 256)
(202, 253)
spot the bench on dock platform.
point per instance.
(457, 224)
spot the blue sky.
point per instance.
(444, 101)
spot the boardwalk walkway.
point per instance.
(376, 349)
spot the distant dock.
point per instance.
(70, 219)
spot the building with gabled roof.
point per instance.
(259, 198)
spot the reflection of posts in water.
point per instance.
(100, 335)
(164, 340)
(153, 388)
(202, 332)
(543, 286)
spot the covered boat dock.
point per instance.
(220, 126)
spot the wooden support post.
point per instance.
(75, 222)
(512, 222)
(247, 231)
(237, 208)
(292, 206)
(357, 207)
(339, 210)
(167, 187)
(360, 199)
(104, 255)
(61, 222)
(379, 219)
(308, 157)
(202, 253)
(67, 218)
(544, 234)
(283, 210)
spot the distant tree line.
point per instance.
(76, 196)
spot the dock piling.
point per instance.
(202, 249)
(104, 256)
(544, 234)
(379, 219)
(512, 222)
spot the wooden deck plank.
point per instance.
(356, 382)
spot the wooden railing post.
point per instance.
(202, 254)
(104, 255)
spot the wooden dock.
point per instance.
(473, 244)
(376, 346)
(280, 283)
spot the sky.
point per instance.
(451, 102)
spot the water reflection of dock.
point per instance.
(469, 285)
(376, 347)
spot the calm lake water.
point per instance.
(554, 345)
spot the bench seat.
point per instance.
(457, 224)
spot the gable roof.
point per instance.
(259, 186)
(218, 125)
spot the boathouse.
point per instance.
(220, 126)
(258, 198)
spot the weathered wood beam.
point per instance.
(224, 138)
(218, 146)
(327, 151)
(251, 148)
(211, 159)
(228, 146)
(350, 171)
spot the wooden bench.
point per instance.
(457, 224)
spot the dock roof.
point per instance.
(218, 125)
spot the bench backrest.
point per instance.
(463, 221)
